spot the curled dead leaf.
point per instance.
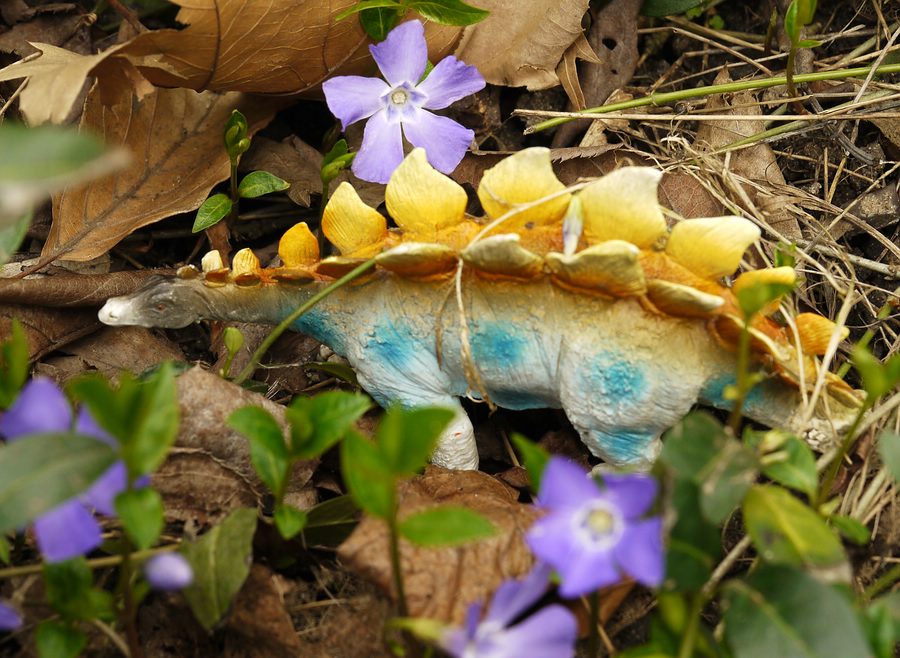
(441, 583)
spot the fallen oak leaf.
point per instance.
(74, 291)
(263, 46)
(175, 136)
(56, 77)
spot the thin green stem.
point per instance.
(285, 324)
(397, 572)
(95, 563)
(128, 615)
(594, 625)
(664, 98)
(689, 639)
(743, 378)
(835, 465)
(884, 581)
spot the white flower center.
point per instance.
(399, 97)
(600, 524)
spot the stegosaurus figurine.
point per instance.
(584, 301)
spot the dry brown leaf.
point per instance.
(69, 28)
(209, 472)
(567, 71)
(520, 44)
(441, 583)
(175, 137)
(755, 163)
(263, 46)
(56, 77)
(259, 625)
(74, 291)
(293, 160)
(47, 329)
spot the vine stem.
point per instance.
(664, 98)
(689, 639)
(843, 449)
(594, 622)
(95, 563)
(285, 324)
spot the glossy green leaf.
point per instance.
(220, 560)
(378, 21)
(369, 480)
(56, 640)
(448, 12)
(141, 512)
(694, 545)
(668, 7)
(41, 471)
(267, 449)
(782, 611)
(331, 522)
(362, 5)
(289, 520)
(794, 466)
(792, 23)
(13, 364)
(447, 525)
(889, 449)
(406, 437)
(258, 183)
(786, 531)
(535, 458)
(317, 423)
(851, 529)
(699, 449)
(211, 212)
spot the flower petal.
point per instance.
(168, 572)
(381, 150)
(640, 552)
(445, 141)
(449, 81)
(350, 224)
(401, 57)
(40, 407)
(353, 97)
(549, 633)
(85, 424)
(565, 484)
(10, 620)
(66, 531)
(631, 493)
(421, 200)
(523, 178)
(711, 247)
(552, 538)
(102, 494)
(514, 597)
(587, 571)
(623, 206)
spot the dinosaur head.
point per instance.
(169, 303)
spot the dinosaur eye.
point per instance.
(161, 306)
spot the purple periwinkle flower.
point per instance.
(403, 101)
(548, 633)
(10, 620)
(69, 529)
(168, 572)
(594, 534)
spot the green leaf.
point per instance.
(668, 7)
(289, 520)
(378, 21)
(362, 5)
(221, 561)
(792, 24)
(447, 525)
(406, 437)
(13, 365)
(68, 585)
(258, 183)
(141, 512)
(889, 449)
(535, 458)
(782, 611)
(4, 550)
(784, 530)
(699, 449)
(56, 640)
(41, 471)
(267, 450)
(235, 135)
(794, 466)
(340, 148)
(694, 546)
(369, 480)
(881, 622)
(755, 298)
(806, 10)
(330, 523)
(233, 339)
(11, 236)
(213, 210)
(878, 379)
(448, 12)
(851, 529)
(339, 370)
(329, 415)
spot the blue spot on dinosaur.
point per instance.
(497, 344)
(393, 343)
(319, 325)
(759, 397)
(611, 377)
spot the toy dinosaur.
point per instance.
(582, 300)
